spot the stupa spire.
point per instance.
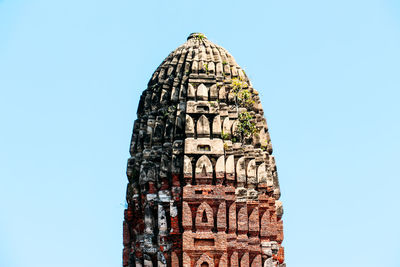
(203, 187)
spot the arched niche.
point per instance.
(204, 217)
(203, 127)
(226, 126)
(205, 261)
(251, 172)
(223, 261)
(242, 219)
(189, 126)
(186, 216)
(268, 227)
(254, 225)
(179, 122)
(220, 169)
(165, 97)
(251, 168)
(174, 94)
(195, 66)
(202, 92)
(230, 168)
(235, 259)
(257, 261)
(216, 127)
(191, 92)
(204, 170)
(262, 173)
(182, 93)
(241, 171)
(218, 68)
(213, 91)
(149, 136)
(235, 131)
(187, 169)
(234, 71)
(232, 218)
(158, 132)
(221, 217)
(244, 261)
(222, 94)
(278, 208)
(211, 66)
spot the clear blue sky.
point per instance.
(71, 73)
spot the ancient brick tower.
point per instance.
(203, 188)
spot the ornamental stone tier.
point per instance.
(203, 188)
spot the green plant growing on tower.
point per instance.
(224, 136)
(246, 126)
(264, 145)
(238, 84)
(226, 147)
(199, 37)
(165, 114)
(206, 68)
(243, 96)
(213, 104)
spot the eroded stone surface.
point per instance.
(199, 193)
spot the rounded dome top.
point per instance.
(198, 56)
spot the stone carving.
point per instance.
(189, 128)
(203, 127)
(202, 92)
(187, 216)
(205, 260)
(220, 170)
(216, 126)
(204, 170)
(203, 187)
(204, 217)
